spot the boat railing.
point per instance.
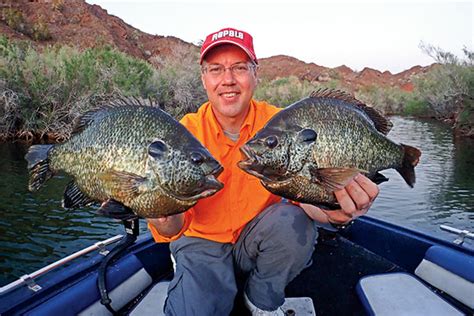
(29, 279)
(461, 234)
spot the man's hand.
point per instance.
(355, 200)
(168, 226)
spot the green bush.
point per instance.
(14, 19)
(285, 91)
(444, 86)
(42, 93)
(387, 100)
(177, 84)
(416, 107)
(40, 31)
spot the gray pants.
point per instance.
(271, 251)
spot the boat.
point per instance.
(371, 268)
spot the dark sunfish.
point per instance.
(131, 158)
(319, 144)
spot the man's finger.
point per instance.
(359, 197)
(368, 186)
(346, 202)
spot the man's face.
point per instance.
(229, 93)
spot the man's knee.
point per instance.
(198, 275)
(291, 225)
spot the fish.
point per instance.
(132, 158)
(318, 144)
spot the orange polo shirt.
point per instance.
(222, 217)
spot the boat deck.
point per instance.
(338, 265)
(330, 281)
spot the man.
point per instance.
(243, 229)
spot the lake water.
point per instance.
(35, 230)
(444, 189)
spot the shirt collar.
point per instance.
(247, 125)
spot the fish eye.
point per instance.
(308, 135)
(271, 141)
(197, 158)
(157, 149)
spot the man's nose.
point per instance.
(228, 76)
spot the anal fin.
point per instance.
(116, 210)
(378, 178)
(74, 197)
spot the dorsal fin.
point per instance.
(381, 123)
(85, 119)
(127, 101)
(334, 94)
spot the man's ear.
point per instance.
(203, 81)
(255, 72)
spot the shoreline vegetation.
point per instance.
(43, 91)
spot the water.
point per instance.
(444, 189)
(35, 230)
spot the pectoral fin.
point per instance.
(333, 179)
(74, 197)
(124, 185)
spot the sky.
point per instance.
(384, 35)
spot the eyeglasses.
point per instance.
(238, 69)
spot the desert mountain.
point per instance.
(77, 23)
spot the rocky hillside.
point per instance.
(283, 66)
(77, 23)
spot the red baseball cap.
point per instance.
(229, 36)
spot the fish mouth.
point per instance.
(213, 185)
(209, 182)
(252, 165)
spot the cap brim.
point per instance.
(203, 54)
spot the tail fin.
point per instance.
(410, 160)
(38, 164)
